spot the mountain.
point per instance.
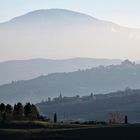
(97, 80)
(60, 33)
(29, 69)
(50, 17)
(94, 107)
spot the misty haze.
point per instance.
(58, 33)
(69, 70)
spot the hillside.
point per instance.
(97, 80)
(94, 107)
(29, 69)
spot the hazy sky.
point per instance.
(123, 12)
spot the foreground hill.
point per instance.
(94, 107)
(97, 80)
(69, 132)
(29, 69)
(59, 33)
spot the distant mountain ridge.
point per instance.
(102, 79)
(28, 69)
(46, 16)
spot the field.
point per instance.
(62, 131)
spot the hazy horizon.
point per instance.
(91, 29)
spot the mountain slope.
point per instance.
(52, 16)
(29, 69)
(58, 33)
(97, 80)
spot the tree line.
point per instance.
(19, 112)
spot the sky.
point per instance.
(123, 12)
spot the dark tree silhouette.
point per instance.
(126, 120)
(55, 117)
(27, 111)
(34, 113)
(2, 107)
(2, 111)
(18, 111)
(8, 114)
(9, 109)
(31, 112)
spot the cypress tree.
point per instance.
(2, 112)
(126, 120)
(18, 111)
(34, 113)
(2, 107)
(27, 111)
(55, 117)
(8, 114)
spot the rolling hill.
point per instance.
(29, 69)
(102, 79)
(94, 107)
